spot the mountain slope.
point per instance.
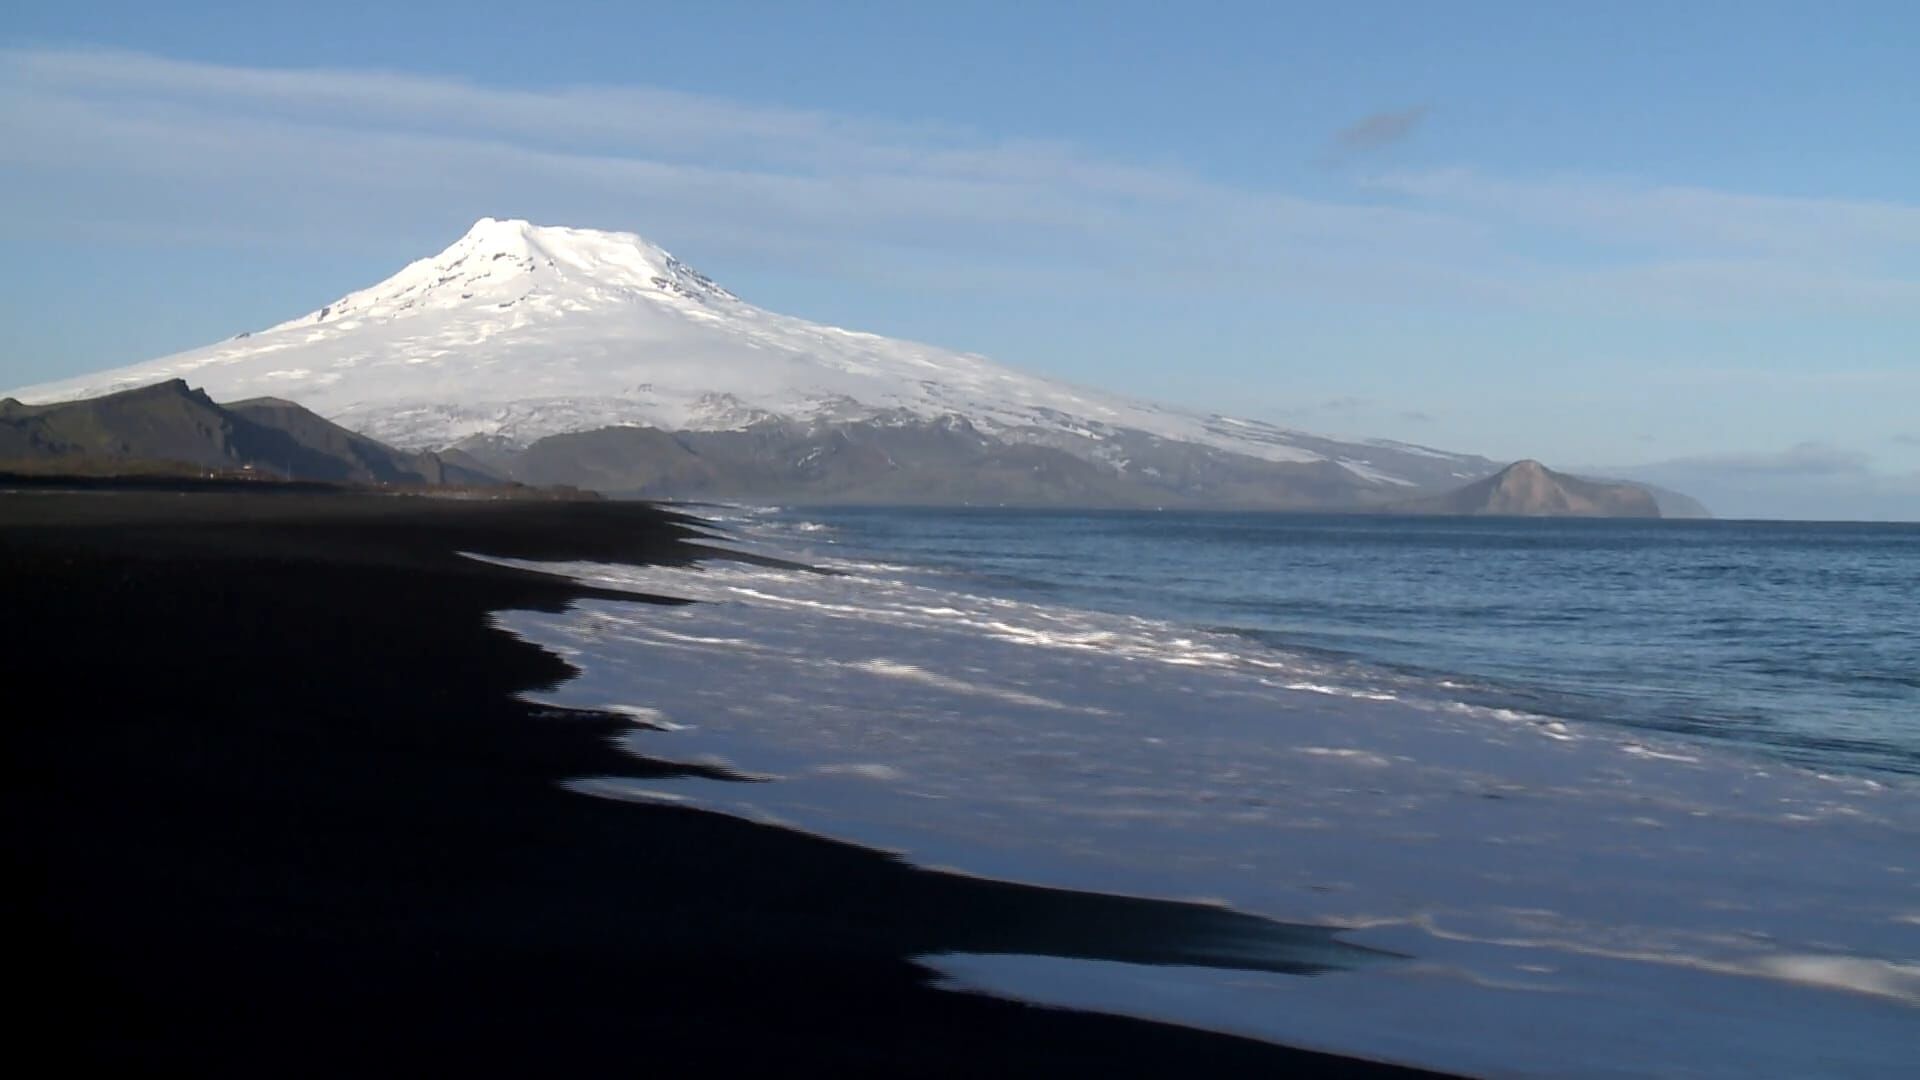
(517, 332)
(166, 422)
(1673, 504)
(944, 462)
(1530, 489)
(170, 422)
(361, 458)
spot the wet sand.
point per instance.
(273, 805)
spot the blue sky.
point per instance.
(1677, 235)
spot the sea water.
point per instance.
(1800, 640)
(1627, 797)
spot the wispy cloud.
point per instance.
(1686, 250)
(1624, 212)
(1802, 459)
(141, 146)
(1810, 480)
(1378, 131)
(274, 148)
(1908, 438)
(1868, 380)
(1343, 407)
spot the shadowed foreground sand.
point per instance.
(276, 808)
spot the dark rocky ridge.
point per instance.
(171, 423)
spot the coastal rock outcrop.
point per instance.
(1530, 489)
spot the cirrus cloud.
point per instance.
(1801, 459)
(133, 145)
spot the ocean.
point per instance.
(1618, 798)
(1792, 639)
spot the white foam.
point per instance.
(893, 669)
(1866, 975)
(1578, 900)
(1361, 757)
(866, 770)
(645, 717)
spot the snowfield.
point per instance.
(521, 331)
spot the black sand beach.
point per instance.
(274, 807)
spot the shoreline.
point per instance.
(942, 701)
(290, 812)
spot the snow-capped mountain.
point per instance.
(519, 331)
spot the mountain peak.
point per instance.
(489, 225)
(608, 258)
(493, 235)
(1528, 487)
(503, 263)
(1525, 474)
